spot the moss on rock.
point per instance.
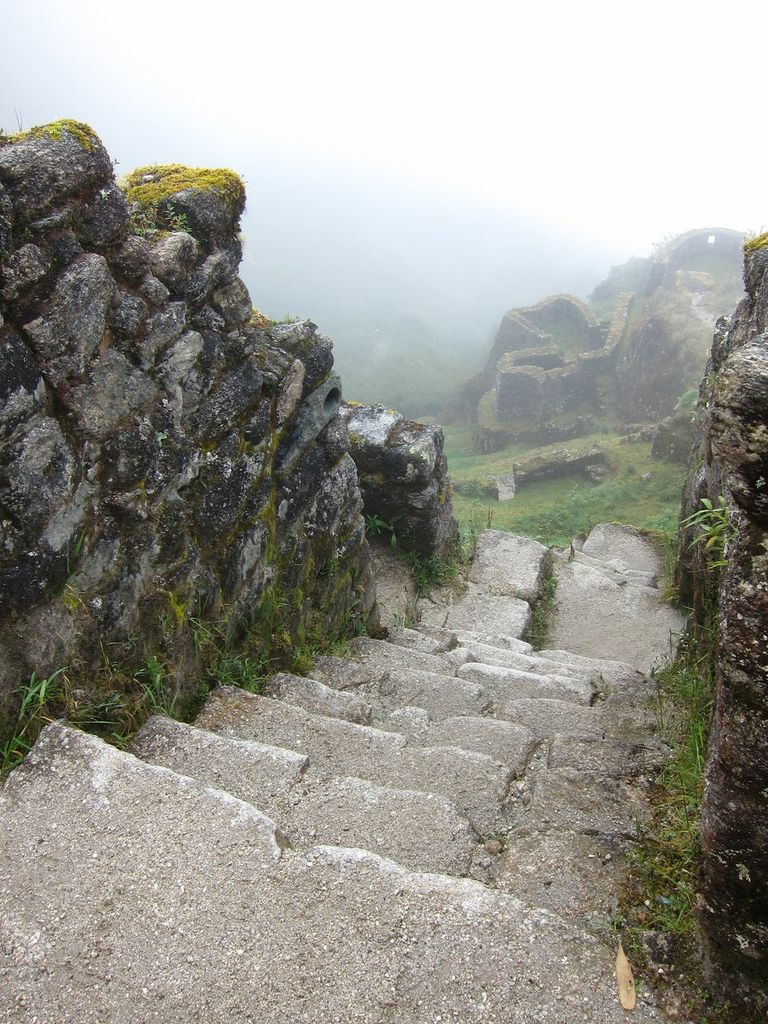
(149, 186)
(78, 130)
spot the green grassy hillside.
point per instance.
(639, 491)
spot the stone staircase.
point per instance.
(431, 829)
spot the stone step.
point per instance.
(509, 684)
(382, 655)
(576, 875)
(616, 757)
(545, 717)
(419, 830)
(507, 616)
(506, 742)
(475, 782)
(615, 673)
(622, 548)
(597, 618)
(388, 689)
(489, 655)
(470, 636)
(506, 565)
(569, 800)
(623, 577)
(315, 696)
(476, 650)
(125, 885)
(256, 772)
(414, 640)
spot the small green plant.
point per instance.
(661, 892)
(154, 685)
(715, 530)
(431, 571)
(37, 696)
(151, 219)
(376, 526)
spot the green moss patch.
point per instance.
(80, 132)
(759, 242)
(149, 186)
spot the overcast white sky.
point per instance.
(609, 125)
(627, 120)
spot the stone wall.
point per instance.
(403, 478)
(732, 461)
(174, 477)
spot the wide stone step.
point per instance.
(315, 696)
(622, 548)
(382, 655)
(616, 673)
(507, 742)
(128, 892)
(419, 830)
(475, 782)
(414, 640)
(598, 618)
(577, 875)
(488, 655)
(546, 717)
(507, 565)
(566, 799)
(507, 616)
(387, 689)
(509, 684)
(635, 577)
(470, 636)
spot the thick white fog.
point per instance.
(418, 167)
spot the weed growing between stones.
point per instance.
(431, 571)
(542, 611)
(714, 530)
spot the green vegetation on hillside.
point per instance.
(639, 491)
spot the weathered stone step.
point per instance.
(576, 875)
(382, 655)
(619, 758)
(470, 636)
(315, 696)
(387, 689)
(597, 617)
(125, 885)
(419, 830)
(489, 655)
(566, 799)
(507, 616)
(546, 717)
(616, 673)
(509, 684)
(636, 577)
(506, 742)
(622, 548)
(507, 565)
(475, 782)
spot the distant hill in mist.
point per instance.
(408, 284)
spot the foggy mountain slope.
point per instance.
(406, 280)
(561, 369)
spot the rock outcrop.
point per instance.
(730, 469)
(172, 465)
(403, 478)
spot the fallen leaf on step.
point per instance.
(627, 994)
